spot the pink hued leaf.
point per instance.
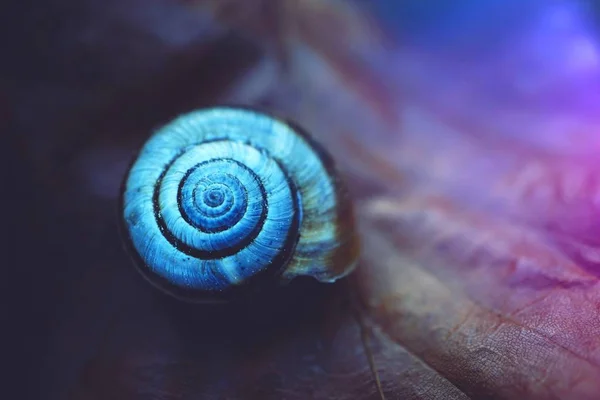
(476, 191)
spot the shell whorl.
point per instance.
(222, 197)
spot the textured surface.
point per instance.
(221, 196)
(474, 168)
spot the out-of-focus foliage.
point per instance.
(468, 134)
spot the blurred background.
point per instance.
(403, 93)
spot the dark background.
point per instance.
(76, 76)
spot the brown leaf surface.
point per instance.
(476, 190)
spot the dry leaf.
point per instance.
(473, 169)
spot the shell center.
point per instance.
(214, 196)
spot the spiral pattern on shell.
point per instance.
(223, 197)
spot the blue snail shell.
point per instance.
(222, 197)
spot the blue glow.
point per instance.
(207, 206)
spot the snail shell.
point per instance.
(224, 199)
